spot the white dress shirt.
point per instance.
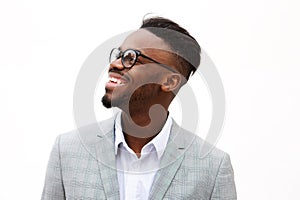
(135, 175)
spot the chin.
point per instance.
(109, 103)
(106, 101)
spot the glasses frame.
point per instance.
(137, 53)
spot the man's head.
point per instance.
(151, 65)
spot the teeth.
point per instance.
(115, 80)
(112, 79)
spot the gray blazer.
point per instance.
(82, 166)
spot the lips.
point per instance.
(116, 80)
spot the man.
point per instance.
(141, 153)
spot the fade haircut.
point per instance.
(181, 42)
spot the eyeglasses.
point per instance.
(130, 56)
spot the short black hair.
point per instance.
(180, 41)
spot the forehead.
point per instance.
(144, 39)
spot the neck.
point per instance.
(139, 128)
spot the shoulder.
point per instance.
(200, 151)
(201, 156)
(205, 149)
(89, 130)
(85, 135)
(205, 167)
(194, 145)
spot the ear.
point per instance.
(172, 82)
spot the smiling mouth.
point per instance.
(115, 81)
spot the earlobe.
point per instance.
(171, 83)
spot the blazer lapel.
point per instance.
(103, 144)
(170, 161)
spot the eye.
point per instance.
(129, 57)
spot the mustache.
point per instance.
(116, 71)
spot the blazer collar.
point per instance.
(99, 138)
(172, 158)
(107, 160)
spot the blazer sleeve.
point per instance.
(224, 188)
(53, 186)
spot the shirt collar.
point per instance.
(159, 142)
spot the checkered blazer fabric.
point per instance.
(82, 165)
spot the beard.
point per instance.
(138, 98)
(117, 101)
(106, 101)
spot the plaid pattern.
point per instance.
(82, 166)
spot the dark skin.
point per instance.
(148, 91)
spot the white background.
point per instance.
(254, 44)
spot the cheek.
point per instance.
(147, 75)
(145, 92)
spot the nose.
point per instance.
(117, 64)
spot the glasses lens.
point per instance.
(129, 58)
(115, 54)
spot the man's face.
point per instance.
(140, 84)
